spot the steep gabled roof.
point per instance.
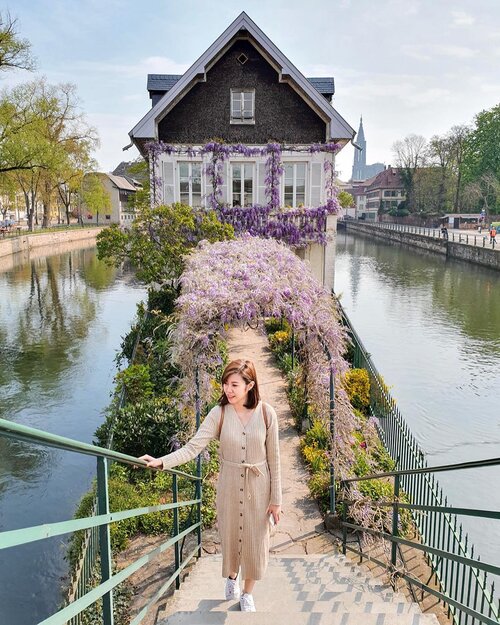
(390, 178)
(121, 183)
(337, 127)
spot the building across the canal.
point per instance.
(121, 191)
(244, 91)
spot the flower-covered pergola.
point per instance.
(241, 282)
(297, 227)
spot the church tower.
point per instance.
(359, 165)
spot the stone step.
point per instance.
(295, 618)
(214, 591)
(290, 606)
(317, 590)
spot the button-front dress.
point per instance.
(249, 481)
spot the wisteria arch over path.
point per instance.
(241, 282)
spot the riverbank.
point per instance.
(452, 249)
(15, 251)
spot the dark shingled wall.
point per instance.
(204, 113)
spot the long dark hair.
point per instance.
(246, 369)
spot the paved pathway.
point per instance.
(301, 529)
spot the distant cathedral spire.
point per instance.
(360, 170)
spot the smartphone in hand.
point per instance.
(271, 520)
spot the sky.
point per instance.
(406, 66)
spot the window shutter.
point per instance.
(224, 198)
(261, 189)
(315, 184)
(168, 182)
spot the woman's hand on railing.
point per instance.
(153, 463)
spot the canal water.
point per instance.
(432, 327)
(61, 322)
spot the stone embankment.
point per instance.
(30, 246)
(453, 249)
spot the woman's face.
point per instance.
(236, 389)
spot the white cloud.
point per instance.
(148, 65)
(461, 18)
(427, 52)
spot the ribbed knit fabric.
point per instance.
(243, 492)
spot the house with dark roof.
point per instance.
(385, 191)
(121, 193)
(242, 90)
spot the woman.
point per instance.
(249, 487)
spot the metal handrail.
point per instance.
(395, 539)
(102, 522)
(438, 527)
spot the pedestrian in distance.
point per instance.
(444, 232)
(493, 234)
(249, 486)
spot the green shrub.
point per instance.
(317, 435)
(76, 542)
(357, 386)
(274, 324)
(136, 382)
(319, 485)
(296, 396)
(315, 458)
(146, 427)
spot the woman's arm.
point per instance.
(207, 432)
(273, 458)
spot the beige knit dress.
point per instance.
(249, 481)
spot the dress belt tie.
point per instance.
(248, 467)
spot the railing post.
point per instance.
(104, 538)
(198, 460)
(177, 553)
(332, 434)
(395, 519)
(344, 528)
(293, 349)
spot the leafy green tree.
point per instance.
(159, 239)
(15, 52)
(94, 195)
(345, 199)
(482, 156)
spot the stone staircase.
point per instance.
(297, 590)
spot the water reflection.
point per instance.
(61, 321)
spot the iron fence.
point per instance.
(97, 526)
(460, 575)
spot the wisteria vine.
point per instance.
(237, 284)
(296, 227)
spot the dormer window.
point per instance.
(243, 106)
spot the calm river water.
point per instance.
(61, 321)
(432, 327)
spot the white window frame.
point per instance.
(190, 180)
(294, 183)
(240, 118)
(231, 180)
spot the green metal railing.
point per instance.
(83, 571)
(99, 525)
(462, 579)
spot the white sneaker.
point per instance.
(246, 603)
(232, 589)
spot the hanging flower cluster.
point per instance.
(240, 282)
(274, 171)
(296, 227)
